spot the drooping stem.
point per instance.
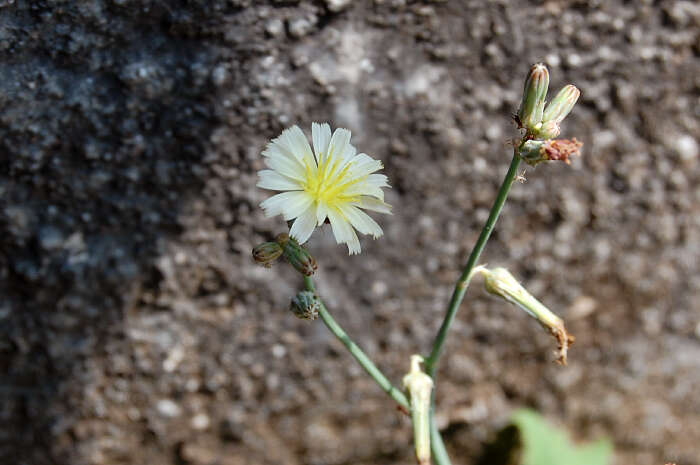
(356, 352)
(463, 282)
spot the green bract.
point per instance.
(534, 93)
(561, 105)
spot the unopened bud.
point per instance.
(296, 255)
(561, 105)
(305, 305)
(534, 93)
(266, 253)
(500, 282)
(419, 387)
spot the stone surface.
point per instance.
(135, 328)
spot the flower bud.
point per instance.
(561, 105)
(548, 130)
(266, 253)
(305, 305)
(419, 387)
(296, 255)
(500, 282)
(534, 93)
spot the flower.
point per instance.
(333, 181)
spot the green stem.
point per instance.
(356, 352)
(463, 282)
(440, 456)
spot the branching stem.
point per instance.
(463, 282)
(438, 448)
(439, 453)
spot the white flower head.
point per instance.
(333, 181)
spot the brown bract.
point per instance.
(561, 149)
(564, 339)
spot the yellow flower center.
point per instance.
(327, 184)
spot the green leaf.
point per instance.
(542, 444)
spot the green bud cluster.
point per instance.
(543, 122)
(540, 121)
(284, 246)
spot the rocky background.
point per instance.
(135, 329)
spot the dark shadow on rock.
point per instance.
(504, 449)
(105, 112)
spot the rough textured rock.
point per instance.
(134, 327)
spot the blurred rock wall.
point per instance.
(134, 328)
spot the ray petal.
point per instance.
(321, 213)
(273, 180)
(374, 204)
(286, 166)
(304, 225)
(363, 188)
(343, 231)
(321, 135)
(361, 221)
(297, 205)
(289, 204)
(354, 244)
(378, 180)
(302, 150)
(363, 164)
(338, 144)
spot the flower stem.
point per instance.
(356, 352)
(440, 456)
(463, 282)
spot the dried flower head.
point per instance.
(331, 182)
(500, 282)
(536, 151)
(562, 149)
